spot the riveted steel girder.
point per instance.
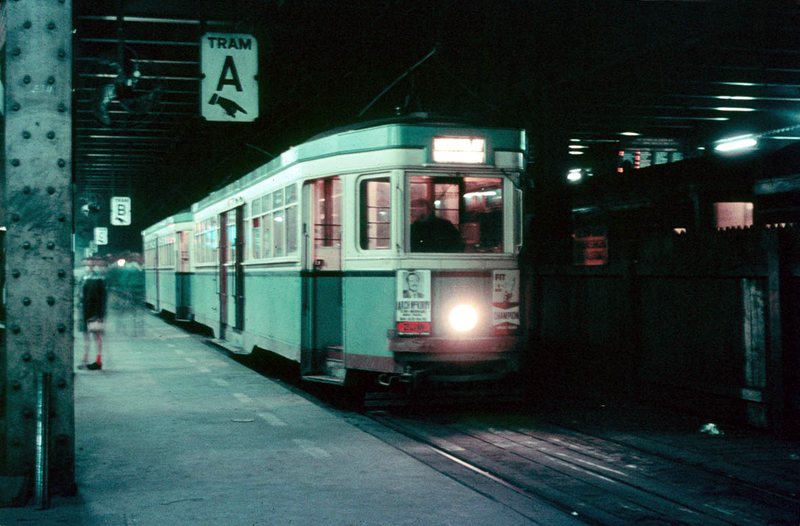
(37, 206)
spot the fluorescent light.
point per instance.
(738, 144)
(731, 108)
(577, 147)
(574, 140)
(485, 192)
(734, 97)
(574, 176)
(575, 152)
(630, 134)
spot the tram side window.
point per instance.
(452, 213)
(274, 224)
(375, 214)
(327, 223)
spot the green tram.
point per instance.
(383, 251)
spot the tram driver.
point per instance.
(430, 233)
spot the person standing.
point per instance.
(93, 310)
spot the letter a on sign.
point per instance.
(229, 86)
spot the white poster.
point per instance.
(413, 302)
(505, 301)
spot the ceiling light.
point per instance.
(630, 134)
(736, 144)
(735, 97)
(731, 108)
(575, 152)
(574, 140)
(577, 147)
(574, 176)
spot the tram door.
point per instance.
(323, 354)
(183, 290)
(157, 273)
(231, 275)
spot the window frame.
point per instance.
(362, 222)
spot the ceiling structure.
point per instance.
(574, 73)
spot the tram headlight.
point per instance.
(463, 318)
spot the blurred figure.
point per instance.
(430, 233)
(93, 299)
(126, 284)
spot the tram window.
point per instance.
(291, 194)
(256, 237)
(327, 223)
(267, 227)
(291, 229)
(277, 233)
(375, 213)
(456, 214)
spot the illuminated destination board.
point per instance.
(641, 153)
(467, 150)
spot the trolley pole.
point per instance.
(37, 440)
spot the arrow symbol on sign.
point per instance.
(228, 105)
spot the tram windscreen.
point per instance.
(455, 214)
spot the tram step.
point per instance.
(225, 344)
(335, 368)
(324, 379)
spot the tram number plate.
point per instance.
(413, 327)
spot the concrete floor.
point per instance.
(173, 432)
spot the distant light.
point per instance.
(575, 152)
(784, 138)
(679, 230)
(735, 97)
(463, 318)
(738, 144)
(121, 262)
(574, 140)
(630, 134)
(732, 108)
(574, 176)
(577, 147)
(701, 147)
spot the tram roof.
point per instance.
(181, 217)
(368, 137)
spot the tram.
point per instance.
(166, 265)
(385, 251)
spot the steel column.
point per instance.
(37, 203)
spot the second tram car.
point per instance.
(387, 250)
(166, 265)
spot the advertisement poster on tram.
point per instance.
(414, 302)
(505, 301)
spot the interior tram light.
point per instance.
(463, 318)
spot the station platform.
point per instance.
(175, 432)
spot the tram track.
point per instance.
(556, 471)
(593, 480)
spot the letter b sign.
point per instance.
(120, 211)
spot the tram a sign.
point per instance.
(229, 85)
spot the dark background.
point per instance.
(563, 70)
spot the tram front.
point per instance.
(458, 312)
